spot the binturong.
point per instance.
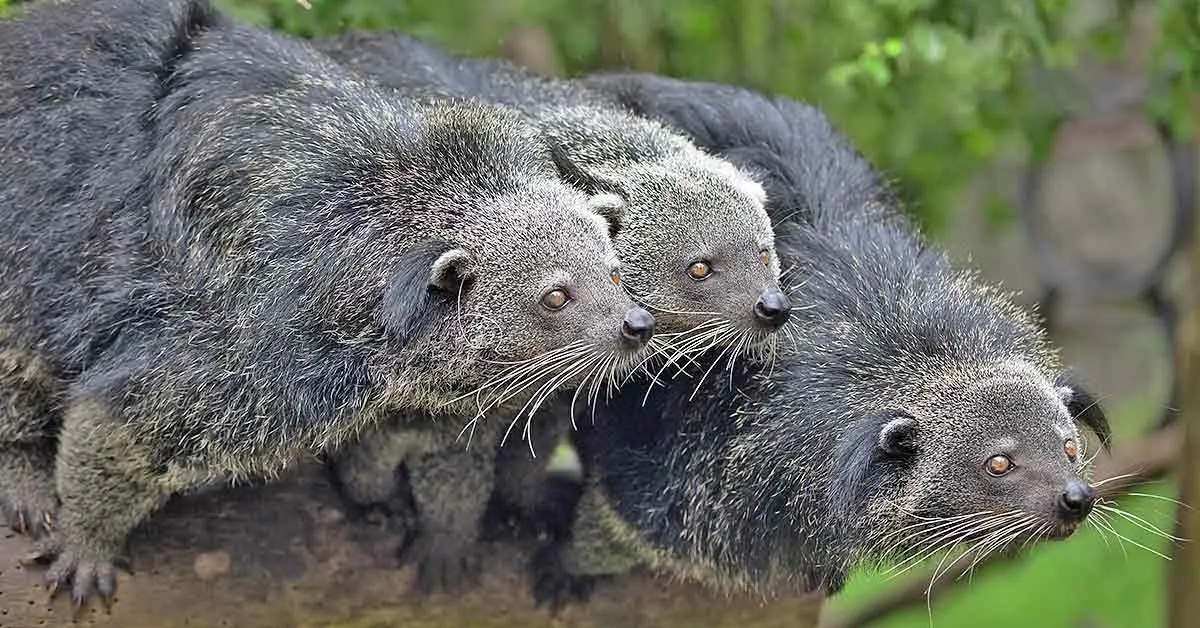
(696, 248)
(918, 408)
(224, 255)
(696, 243)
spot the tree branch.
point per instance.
(1184, 604)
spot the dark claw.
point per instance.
(60, 576)
(106, 588)
(124, 564)
(54, 587)
(36, 557)
(77, 606)
(87, 579)
(555, 595)
(84, 582)
(444, 565)
(28, 516)
(554, 588)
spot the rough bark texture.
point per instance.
(1185, 568)
(286, 555)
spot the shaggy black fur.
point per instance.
(904, 377)
(222, 254)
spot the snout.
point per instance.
(638, 327)
(772, 308)
(1076, 501)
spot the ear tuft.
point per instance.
(752, 189)
(898, 437)
(611, 208)
(869, 457)
(575, 176)
(1084, 407)
(452, 271)
(742, 181)
(406, 306)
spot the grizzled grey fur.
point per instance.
(906, 378)
(684, 207)
(223, 254)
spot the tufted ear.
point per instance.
(575, 176)
(1084, 407)
(898, 437)
(742, 180)
(406, 305)
(752, 189)
(611, 208)
(452, 272)
(869, 456)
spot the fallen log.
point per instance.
(286, 554)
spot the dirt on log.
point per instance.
(285, 554)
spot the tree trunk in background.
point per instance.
(1185, 570)
(284, 555)
(533, 48)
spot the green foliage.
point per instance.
(1178, 52)
(928, 89)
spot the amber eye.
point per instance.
(699, 270)
(1072, 449)
(999, 465)
(616, 277)
(555, 299)
(765, 256)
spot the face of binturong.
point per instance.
(703, 260)
(999, 462)
(541, 303)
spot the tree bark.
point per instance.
(1185, 568)
(285, 555)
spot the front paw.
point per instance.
(30, 512)
(445, 562)
(554, 586)
(87, 573)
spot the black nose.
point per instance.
(772, 308)
(1076, 501)
(638, 326)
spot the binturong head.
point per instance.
(522, 293)
(706, 255)
(697, 245)
(996, 458)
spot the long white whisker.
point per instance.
(715, 362)
(1102, 521)
(1113, 479)
(924, 529)
(1000, 539)
(949, 539)
(1136, 544)
(1140, 522)
(1162, 497)
(1103, 535)
(517, 370)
